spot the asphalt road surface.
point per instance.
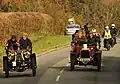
(53, 68)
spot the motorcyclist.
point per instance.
(25, 42)
(114, 32)
(107, 35)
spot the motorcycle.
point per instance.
(113, 40)
(107, 44)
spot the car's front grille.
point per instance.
(85, 54)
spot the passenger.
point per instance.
(97, 37)
(25, 42)
(91, 39)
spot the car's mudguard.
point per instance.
(99, 52)
(72, 53)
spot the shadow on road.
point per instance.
(109, 64)
(59, 68)
(15, 75)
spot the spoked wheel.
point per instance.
(33, 64)
(108, 47)
(33, 72)
(98, 62)
(5, 66)
(72, 66)
(72, 63)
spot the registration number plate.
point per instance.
(84, 59)
(14, 63)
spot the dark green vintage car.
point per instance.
(19, 60)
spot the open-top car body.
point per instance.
(85, 54)
(19, 60)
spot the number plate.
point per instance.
(84, 59)
(13, 63)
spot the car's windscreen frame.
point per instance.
(71, 27)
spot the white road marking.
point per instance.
(102, 64)
(67, 64)
(58, 77)
(61, 71)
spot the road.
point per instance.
(53, 68)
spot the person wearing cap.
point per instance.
(114, 32)
(12, 44)
(97, 37)
(25, 42)
(107, 35)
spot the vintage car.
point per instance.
(14, 61)
(85, 54)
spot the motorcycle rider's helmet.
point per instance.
(93, 30)
(106, 27)
(113, 25)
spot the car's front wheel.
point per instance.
(6, 66)
(33, 64)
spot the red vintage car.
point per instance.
(85, 54)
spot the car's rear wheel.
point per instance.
(108, 47)
(6, 66)
(33, 64)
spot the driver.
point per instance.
(12, 44)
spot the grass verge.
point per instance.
(43, 44)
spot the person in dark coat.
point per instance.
(25, 42)
(114, 32)
(86, 29)
(92, 39)
(73, 36)
(12, 44)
